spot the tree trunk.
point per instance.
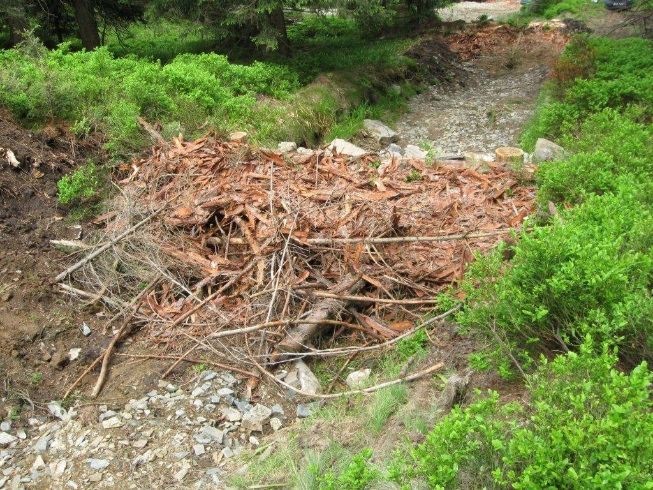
(278, 22)
(16, 19)
(88, 30)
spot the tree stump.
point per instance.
(510, 155)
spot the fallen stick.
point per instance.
(74, 245)
(92, 297)
(349, 350)
(364, 391)
(152, 132)
(194, 361)
(107, 354)
(405, 239)
(121, 332)
(366, 299)
(178, 361)
(279, 323)
(108, 245)
(216, 240)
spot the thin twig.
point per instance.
(347, 350)
(99, 358)
(364, 391)
(194, 361)
(178, 361)
(405, 239)
(121, 332)
(366, 299)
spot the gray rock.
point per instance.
(227, 452)
(199, 449)
(229, 379)
(275, 423)
(381, 133)
(343, 147)
(42, 444)
(97, 464)
(139, 404)
(277, 409)
(303, 411)
(546, 150)
(225, 391)
(112, 423)
(232, 415)
(260, 411)
(415, 152)
(394, 149)
(181, 474)
(59, 468)
(357, 379)
(38, 464)
(199, 391)
(107, 415)
(6, 439)
(208, 375)
(476, 158)
(243, 406)
(5, 426)
(212, 433)
(301, 377)
(57, 410)
(287, 146)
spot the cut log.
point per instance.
(299, 336)
(508, 154)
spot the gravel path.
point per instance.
(489, 112)
(470, 11)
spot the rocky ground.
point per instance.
(477, 118)
(173, 437)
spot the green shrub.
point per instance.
(589, 272)
(356, 476)
(83, 182)
(592, 75)
(586, 425)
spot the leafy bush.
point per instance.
(356, 476)
(83, 182)
(587, 273)
(585, 425)
(97, 91)
(595, 74)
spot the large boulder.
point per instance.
(342, 147)
(379, 132)
(546, 151)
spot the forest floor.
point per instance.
(161, 436)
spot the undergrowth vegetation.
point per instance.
(101, 92)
